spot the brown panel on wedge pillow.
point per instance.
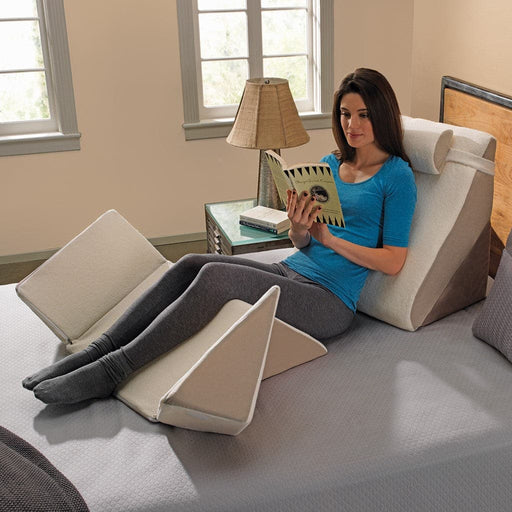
(472, 219)
(468, 284)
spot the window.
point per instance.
(225, 42)
(37, 109)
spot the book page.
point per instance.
(317, 180)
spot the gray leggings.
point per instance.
(195, 288)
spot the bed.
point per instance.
(390, 419)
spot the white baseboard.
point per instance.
(158, 241)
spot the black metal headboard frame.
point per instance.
(448, 82)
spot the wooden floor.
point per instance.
(15, 272)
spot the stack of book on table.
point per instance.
(266, 219)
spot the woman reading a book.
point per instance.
(320, 283)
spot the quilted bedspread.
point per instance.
(387, 420)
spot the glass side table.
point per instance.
(225, 235)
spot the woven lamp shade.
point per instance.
(267, 117)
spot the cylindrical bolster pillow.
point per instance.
(426, 144)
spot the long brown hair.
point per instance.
(383, 110)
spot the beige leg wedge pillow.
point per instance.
(150, 390)
(87, 285)
(219, 392)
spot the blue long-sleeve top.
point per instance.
(377, 212)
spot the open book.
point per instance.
(315, 178)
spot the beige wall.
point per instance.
(468, 39)
(126, 73)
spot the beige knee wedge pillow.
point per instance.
(204, 383)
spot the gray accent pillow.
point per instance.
(494, 323)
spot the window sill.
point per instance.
(217, 128)
(11, 145)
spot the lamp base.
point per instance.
(267, 191)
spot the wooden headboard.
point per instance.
(465, 104)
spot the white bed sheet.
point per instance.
(388, 420)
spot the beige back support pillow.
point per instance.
(447, 263)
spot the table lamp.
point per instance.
(267, 118)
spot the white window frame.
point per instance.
(321, 36)
(60, 132)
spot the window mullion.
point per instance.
(313, 49)
(255, 39)
(198, 60)
(24, 70)
(60, 82)
(47, 64)
(326, 53)
(28, 18)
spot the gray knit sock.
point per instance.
(98, 348)
(98, 379)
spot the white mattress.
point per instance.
(388, 420)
